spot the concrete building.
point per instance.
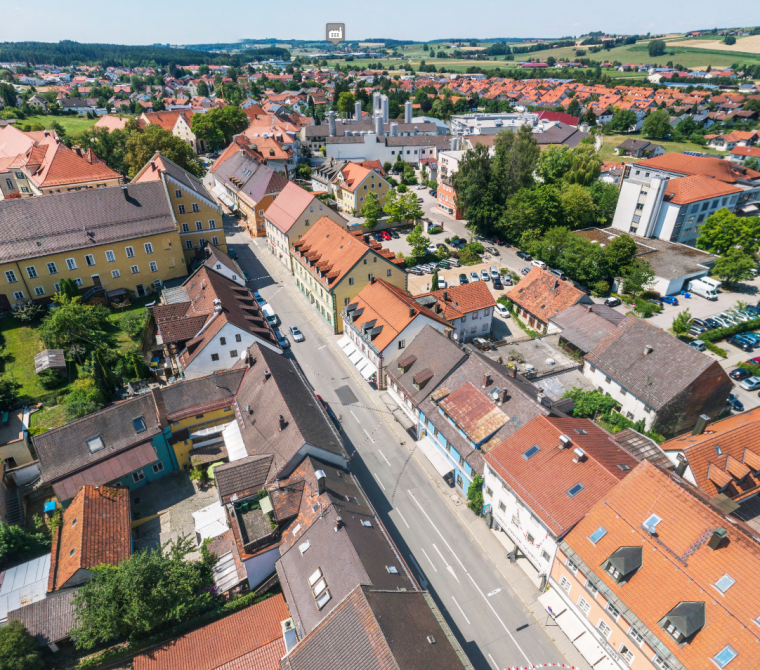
(468, 309)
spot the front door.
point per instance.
(140, 291)
(96, 280)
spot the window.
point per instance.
(571, 566)
(591, 588)
(181, 209)
(215, 241)
(157, 467)
(199, 225)
(575, 490)
(110, 256)
(545, 555)
(724, 583)
(139, 425)
(626, 654)
(222, 340)
(584, 606)
(185, 227)
(195, 207)
(89, 259)
(138, 476)
(726, 655)
(323, 599)
(370, 276)
(153, 266)
(39, 290)
(211, 224)
(10, 275)
(597, 535)
(157, 284)
(189, 244)
(651, 523)
(350, 280)
(662, 663)
(233, 353)
(607, 380)
(392, 569)
(564, 584)
(31, 271)
(130, 252)
(531, 452)
(57, 286)
(637, 637)
(612, 611)
(115, 274)
(603, 628)
(148, 248)
(401, 344)
(78, 282)
(71, 264)
(177, 193)
(134, 269)
(214, 357)
(18, 295)
(52, 269)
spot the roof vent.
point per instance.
(580, 455)
(648, 350)
(701, 424)
(321, 481)
(564, 442)
(282, 422)
(716, 540)
(431, 639)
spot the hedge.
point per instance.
(720, 333)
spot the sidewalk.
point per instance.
(515, 576)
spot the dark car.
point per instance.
(259, 299)
(378, 236)
(739, 373)
(496, 283)
(612, 302)
(523, 256)
(463, 279)
(712, 323)
(735, 403)
(394, 234)
(231, 253)
(700, 323)
(740, 342)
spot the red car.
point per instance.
(386, 235)
(497, 241)
(754, 361)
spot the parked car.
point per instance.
(494, 272)
(501, 311)
(712, 323)
(378, 236)
(739, 373)
(420, 200)
(612, 302)
(296, 334)
(492, 250)
(496, 283)
(700, 323)
(696, 331)
(393, 234)
(669, 300)
(731, 318)
(453, 262)
(740, 342)
(557, 273)
(721, 321)
(484, 276)
(442, 283)
(474, 276)
(463, 279)
(231, 253)
(538, 264)
(523, 256)
(754, 361)
(497, 241)
(751, 384)
(281, 339)
(431, 192)
(415, 271)
(441, 247)
(246, 276)
(734, 402)
(506, 280)
(752, 337)
(386, 235)
(740, 316)
(699, 345)
(525, 271)
(259, 299)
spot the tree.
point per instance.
(724, 230)
(203, 89)
(515, 160)
(475, 495)
(411, 208)
(434, 281)
(638, 277)
(147, 591)
(9, 389)
(18, 649)
(539, 208)
(574, 108)
(346, 103)
(734, 266)
(657, 125)
(752, 163)
(729, 40)
(605, 198)
(585, 165)
(18, 545)
(394, 207)
(681, 322)
(142, 145)
(622, 120)
(620, 253)
(685, 128)
(589, 404)
(74, 322)
(554, 163)
(372, 210)
(68, 288)
(418, 242)
(480, 203)
(84, 398)
(218, 126)
(656, 48)
(577, 206)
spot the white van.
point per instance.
(270, 315)
(710, 281)
(698, 287)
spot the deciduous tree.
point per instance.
(372, 210)
(724, 230)
(681, 322)
(18, 649)
(657, 125)
(620, 253)
(141, 146)
(734, 266)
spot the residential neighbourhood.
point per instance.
(334, 353)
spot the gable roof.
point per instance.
(202, 394)
(456, 301)
(684, 190)
(543, 295)
(111, 123)
(160, 164)
(543, 480)
(250, 639)
(243, 174)
(354, 174)
(242, 478)
(655, 377)
(60, 222)
(96, 528)
(584, 326)
(289, 206)
(167, 120)
(48, 620)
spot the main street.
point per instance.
(494, 626)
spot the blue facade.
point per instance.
(166, 463)
(463, 473)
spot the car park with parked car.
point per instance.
(741, 343)
(669, 300)
(474, 276)
(613, 302)
(751, 384)
(501, 311)
(739, 373)
(463, 279)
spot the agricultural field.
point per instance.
(71, 124)
(749, 45)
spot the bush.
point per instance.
(18, 649)
(600, 288)
(435, 230)
(720, 333)
(401, 188)
(30, 312)
(133, 324)
(51, 379)
(715, 349)
(590, 403)
(646, 309)
(475, 495)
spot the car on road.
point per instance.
(613, 302)
(739, 373)
(296, 334)
(419, 200)
(492, 250)
(739, 341)
(259, 299)
(538, 264)
(231, 253)
(502, 311)
(463, 279)
(246, 276)
(484, 276)
(496, 284)
(420, 187)
(525, 271)
(734, 403)
(474, 276)
(393, 234)
(522, 255)
(669, 300)
(751, 384)
(281, 339)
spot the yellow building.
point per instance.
(354, 182)
(105, 239)
(331, 265)
(198, 214)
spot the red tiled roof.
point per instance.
(717, 168)
(456, 301)
(288, 206)
(473, 411)
(684, 190)
(543, 295)
(52, 163)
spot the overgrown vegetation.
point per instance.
(18, 545)
(475, 495)
(18, 649)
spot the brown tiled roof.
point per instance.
(684, 190)
(542, 481)
(181, 330)
(286, 500)
(584, 326)
(456, 301)
(95, 529)
(242, 478)
(203, 394)
(543, 295)
(250, 639)
(474, 412)
(678, 565)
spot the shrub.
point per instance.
(715, 349)
(51, 379)
(720, 333)
(475, 495)
(600, 288)
(646, 309)
(434, 230)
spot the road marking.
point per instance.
(402, 518)
(429, 559)
(503, 625)
(354, 415)
(366, 433)
(383, 455)
(493, 593)
(496, 665)
(378, 480)
(322, 347)
(461, 610)
(448, 567)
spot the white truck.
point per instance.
(698, 287)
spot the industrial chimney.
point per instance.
(408, 111)
(331, 123)
(358, 110)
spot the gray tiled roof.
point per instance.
(48, 620)
(62, 222)
(196, 393)
(245, 474)
(64, 450)
(182, 176)
(584, 326)
(257, 179)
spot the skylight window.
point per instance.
(651, 523)
(531, 452)
(624, 467)
(315, 577)
(718, 450)
(303, 547)
(392, 569)
(727, 655)
(323, 600)
(724, 583)
(95, 444)
(580, 431)
(139, 424)
(598, 534)
(366, 523)
(575, 490)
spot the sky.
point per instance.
(200, 21)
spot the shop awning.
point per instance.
(606, 664)
(589, 648)
(355, 357)
(367, 371)
(220, 192)
(440, 462)
(551, 599)
(570, 624)
(343, 341)
(349, 349)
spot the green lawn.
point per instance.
(22, 342)
(71, 124)
(48, 417)
(607, 152)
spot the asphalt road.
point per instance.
(492, 623)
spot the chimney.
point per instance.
(408, 111)
(701, 424)
(580, 455)
(556, 284)
(267, 375)
(282, 423)
(321, 481)
(564, 442)
(648, 350)
(372, 279)
(445, 296)
(338, 523)
(589, 308)
(716, 540)
(411, 312)
(485, 380)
